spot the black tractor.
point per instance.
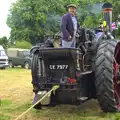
(89, 71)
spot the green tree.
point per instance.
(116, 9)
(23, 45)
(30, 20)
(25, 19)
(4, 42)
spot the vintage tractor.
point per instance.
(89, 71)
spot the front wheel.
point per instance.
(107, 75)
(26, 65)
(11, 64)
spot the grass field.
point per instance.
(16, 96)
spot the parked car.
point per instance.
(19, 57)
(3, 58)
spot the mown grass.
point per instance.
(16, 97)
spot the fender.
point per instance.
(34, 49)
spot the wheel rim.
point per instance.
(27, 65)
(40, 68)
(10, 65)
(116, 71)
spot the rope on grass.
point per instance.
(53, 89)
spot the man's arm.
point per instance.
(63, 28)
(78, 25)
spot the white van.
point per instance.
(3, 58)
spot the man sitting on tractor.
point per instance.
(69, 26)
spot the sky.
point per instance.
(4, 10)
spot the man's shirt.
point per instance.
(74, 20)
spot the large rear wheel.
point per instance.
(107, 75)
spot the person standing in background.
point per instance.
(69, 26)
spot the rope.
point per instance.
(53, 89)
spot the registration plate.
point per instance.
(58, 67)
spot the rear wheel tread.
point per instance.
(104, 82)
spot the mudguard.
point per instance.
(34, 49)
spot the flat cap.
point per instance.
(71, 5)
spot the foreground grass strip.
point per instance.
(14, 107)
(49, 92)
(61, 112)
(5, 102)
(19, 81)
(4, 117)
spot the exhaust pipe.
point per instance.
(107, 13)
